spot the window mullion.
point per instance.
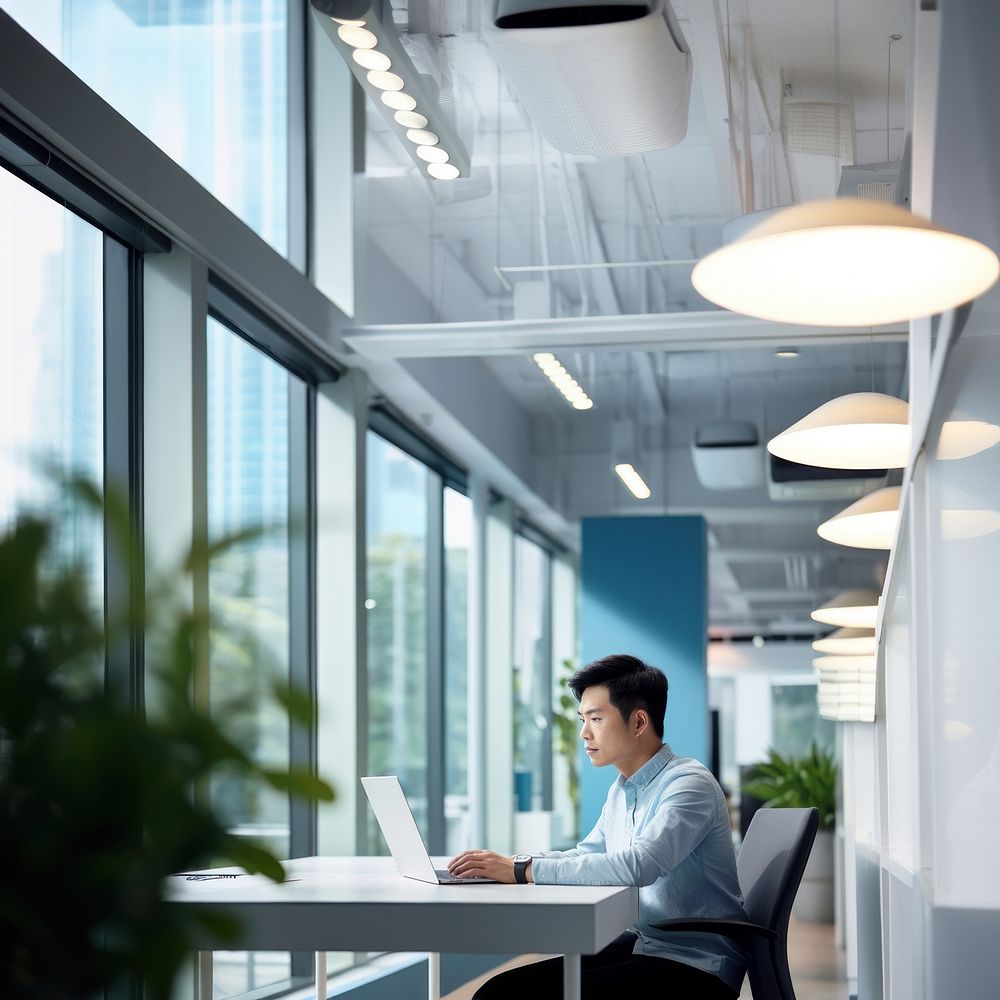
(435, 666)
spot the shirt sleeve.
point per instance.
(678, 826)
(593, 843)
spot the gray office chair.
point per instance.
(770, 865)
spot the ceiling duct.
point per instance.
(727, 455)
(597, 78)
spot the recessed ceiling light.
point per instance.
(432, 154)
(357, 37)
(421, 137)
(568, 386)
(398, 100)
(385, 81)
(443, 171)
(758, 642)
(410, 119)
(786, 352)
(371, 59)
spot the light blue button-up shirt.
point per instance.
(665, 829)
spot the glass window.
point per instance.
(51, 364)
(532, 677)
(397, 514)
(248, 487)
(207, 82)
(458, 526)
(795, 720)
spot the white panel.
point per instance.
(964, 548)
(564, 633)
(341, 409)
(753, 728)
(333, 257)
(499, 679)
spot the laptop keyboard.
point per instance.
(445, 877)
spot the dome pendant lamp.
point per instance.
(869, 523)
(845, 262)
(863, 430)
(847, 642)
(849, 609)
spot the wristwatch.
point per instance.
(521, 862)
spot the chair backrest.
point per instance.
(771, 861)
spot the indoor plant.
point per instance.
(100, 803)
(795, 783)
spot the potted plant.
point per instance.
(794, 783)
(99, 802)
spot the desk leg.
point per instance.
(320, 975)
(571, 977)
(433, 976)
(205, 987)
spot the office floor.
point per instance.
(816, 962)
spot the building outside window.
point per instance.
(532, 676)
(207, 82)
(396, 608)
(51, 366)
(248, 488)
(458, 526)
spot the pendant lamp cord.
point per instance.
(871, 354)
(888, 86)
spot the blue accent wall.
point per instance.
(644, 591)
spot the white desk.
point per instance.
(362, 904)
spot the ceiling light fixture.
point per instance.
(863, 430)
(845, 262)
(370, 45)
(410, 119)
(786, 352)
(849, 609)
(371, 59)
(847, 642)
(636, 484)
(869, 523)
(554, 371)
(398, 100)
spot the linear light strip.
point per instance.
(635, 483)
(571, 390)
(406, 98)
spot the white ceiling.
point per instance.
(527, 205)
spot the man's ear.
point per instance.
(640, 721)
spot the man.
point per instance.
(664, 828)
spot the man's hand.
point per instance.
(484, 864)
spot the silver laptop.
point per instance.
(401, 834)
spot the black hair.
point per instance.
(631, 684)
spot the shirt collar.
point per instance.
(652, 767)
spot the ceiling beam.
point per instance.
(713, 329)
